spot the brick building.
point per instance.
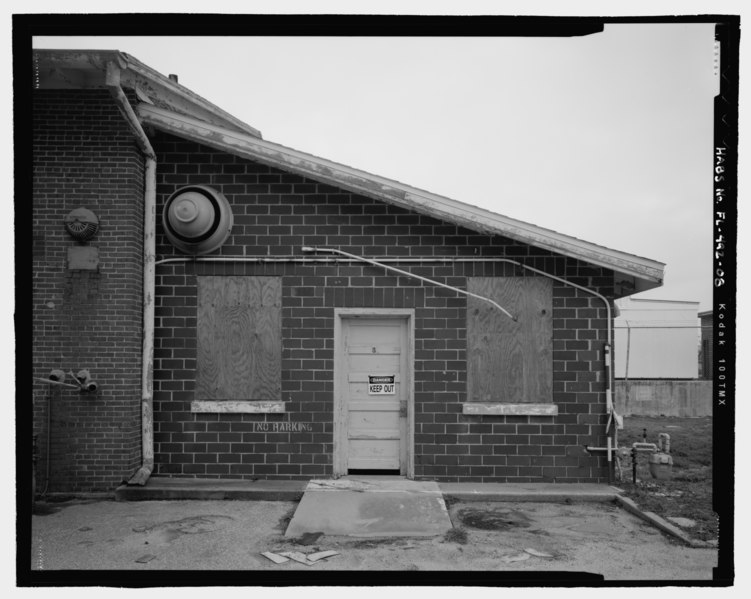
(248, 310)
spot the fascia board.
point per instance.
(399, 194)
(142, 77)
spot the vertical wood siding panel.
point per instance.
(510, 361)
(239, 338)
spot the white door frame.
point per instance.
(341, 388)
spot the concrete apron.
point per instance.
(371, 507)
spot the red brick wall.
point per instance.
(84, 156)
(275, 214)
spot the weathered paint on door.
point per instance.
(375, 410)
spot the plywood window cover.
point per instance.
(239, 338)
(509, 361)
(237, 407)
(509, 409)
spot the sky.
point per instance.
(607, 137)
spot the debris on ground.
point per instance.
(307, 559)
(297, 556)
(682, 522)
(315, 557)
(537, 553)
(277, 559)
(516, 557)
(144, 559)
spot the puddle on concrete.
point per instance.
(493, 519)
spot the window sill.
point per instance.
(237, 407)
(509, 409)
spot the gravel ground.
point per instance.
(156, 536)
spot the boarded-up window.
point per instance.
(239, 338)
(510, 361)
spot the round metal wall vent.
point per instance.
(197, 219)
(81, 224)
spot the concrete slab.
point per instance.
(371, 507)
(165, 488)
(529, 491)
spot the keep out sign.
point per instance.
(381, 384)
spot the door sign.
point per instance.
(381, 384)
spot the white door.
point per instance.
(374, 394)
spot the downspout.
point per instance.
(149, 275)
(628, 358)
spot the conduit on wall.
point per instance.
(408, 274)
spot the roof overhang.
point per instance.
(87, 69)
(633, 273)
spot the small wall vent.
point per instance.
(197, 219)
(81, 224)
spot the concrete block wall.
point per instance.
(275, 214)
(663, 397)
(84, 156)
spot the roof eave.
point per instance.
(87, 69)
(645, 274)
(178, 98)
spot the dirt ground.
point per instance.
(231, 535)
(688, 492)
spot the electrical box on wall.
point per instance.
(83, 258)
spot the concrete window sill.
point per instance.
(237, 407)
(509, 409)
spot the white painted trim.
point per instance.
(237, 407)
(478, 219)
(339, 462)
(509, 409)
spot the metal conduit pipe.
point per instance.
(149, 274)
(384, 261)
(408, 274)
(350, 257)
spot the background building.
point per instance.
(656, 339)
(707, 339)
